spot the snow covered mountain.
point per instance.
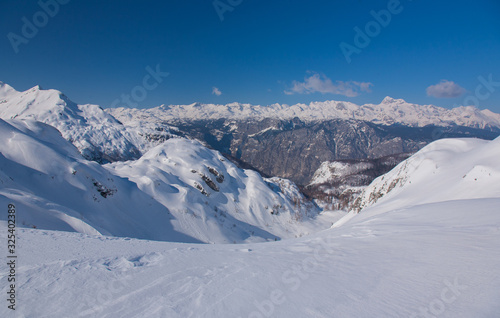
(206, 193)
(447, 169)
(389, 111)
(179, 191)
(55, 188)
(97, 135)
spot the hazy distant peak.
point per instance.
(390, 100)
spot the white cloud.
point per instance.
(317, 83)
(216, 91)
(445, 89)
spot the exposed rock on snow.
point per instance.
(215, 201)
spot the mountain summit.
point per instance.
(390, 100)
(98, 135)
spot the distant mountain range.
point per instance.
(123, 133)
(390, 111)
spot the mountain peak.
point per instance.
(5, 89)
(3, 84)
(390, 100)
(35, 88)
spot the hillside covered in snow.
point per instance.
(447, 169)
(337, 184)
(117, 212)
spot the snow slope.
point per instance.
(447, 169)
(179, 191)
(433, 260)
(56, 189)
(210, 197)
(388, 112)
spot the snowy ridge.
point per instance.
(389, 111)
(97, 135)
(447, 169)
(179, 191)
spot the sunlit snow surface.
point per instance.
(388, 265)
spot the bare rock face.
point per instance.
(295, 149)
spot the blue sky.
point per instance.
(261, 52)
